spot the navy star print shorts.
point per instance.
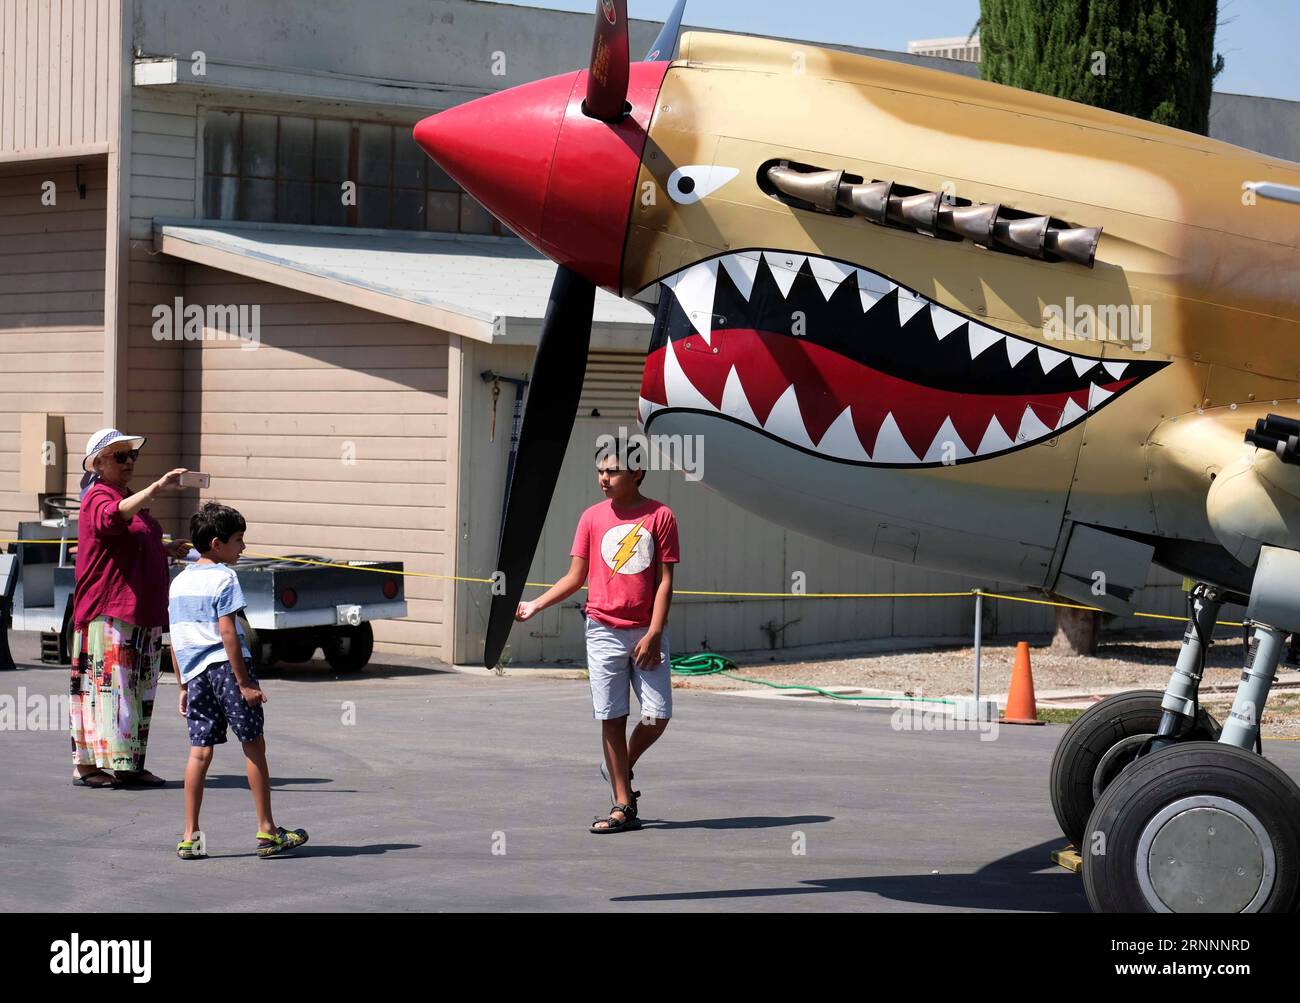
(215, 702)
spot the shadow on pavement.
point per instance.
(1009, 884)
(744, 822)
(369, 850)
(239, 780)
(320, 669)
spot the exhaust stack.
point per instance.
(981, 223)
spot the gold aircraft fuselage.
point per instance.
(1114, 394)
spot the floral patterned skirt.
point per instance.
(115, 668)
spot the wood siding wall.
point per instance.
(51, 315)
(277, 426)
(161, 182)
(57, 73)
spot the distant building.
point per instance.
(957, 47)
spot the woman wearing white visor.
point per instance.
(119, 610)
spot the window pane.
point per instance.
(443, 212)
(372, 207)
(258, 160)
(375, 155)
(295, 202)
(219, 197)
(295, 148)
(409, 161)
(439, 180)
(408, 210)
(332, 140)
(327, 205)
(473, 217)
(221, 143)
(257, 200)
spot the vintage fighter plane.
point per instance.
(960, 325)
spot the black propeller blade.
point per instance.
(560, 365)
(607, 80)
(555, 387)
(666, 44)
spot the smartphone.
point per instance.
(194, 479)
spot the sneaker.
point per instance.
(193, 848)
(631, 775)
(271, 843)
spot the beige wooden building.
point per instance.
(158, 157)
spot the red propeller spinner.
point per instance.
(558, 177)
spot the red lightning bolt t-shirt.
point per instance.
(623, 548)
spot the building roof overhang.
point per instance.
(490, 289)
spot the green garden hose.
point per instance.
(706, 663)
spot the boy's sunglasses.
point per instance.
(126, 454)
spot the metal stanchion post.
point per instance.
(979, 636)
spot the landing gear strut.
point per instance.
(1197, 826)
(1112, 734)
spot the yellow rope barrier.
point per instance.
(701, 592)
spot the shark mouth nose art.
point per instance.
(839, 361)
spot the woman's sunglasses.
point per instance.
(126, 454)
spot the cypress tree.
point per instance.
(1153, 59)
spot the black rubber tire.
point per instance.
(1188, 769)
(1090, 736)
(348, 649)
(260, 650)
(65, 637)
(293, 647)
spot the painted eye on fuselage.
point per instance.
(687, 185)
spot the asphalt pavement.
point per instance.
(439, 791)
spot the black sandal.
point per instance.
(84, 780)
(612, 824)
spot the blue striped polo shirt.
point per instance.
(199, 596)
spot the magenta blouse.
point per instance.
(121, 566)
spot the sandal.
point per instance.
(87, 780)
(271, 843)
(612, 824)
(631, 775)
(192, 849)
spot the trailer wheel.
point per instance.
(293, 647)
(259, 649)
(1120, 720)
(65, 637)
(1196, 827)
(348, 649)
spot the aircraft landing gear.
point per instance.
(1112, 734)
(1206, 826)
(1196, 827)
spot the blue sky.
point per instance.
(1258, 38)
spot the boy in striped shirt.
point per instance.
(211, 659)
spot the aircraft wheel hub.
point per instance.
(1205, 854)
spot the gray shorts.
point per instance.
(611, 670)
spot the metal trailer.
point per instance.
(293, 608)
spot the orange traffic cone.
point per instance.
(1021, 708)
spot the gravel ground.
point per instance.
(1127, 662)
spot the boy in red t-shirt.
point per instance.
(630, 543)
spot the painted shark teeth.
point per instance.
(785, 420)
(696, 289)
(841, 439)
(734, 401)
(947, 446)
